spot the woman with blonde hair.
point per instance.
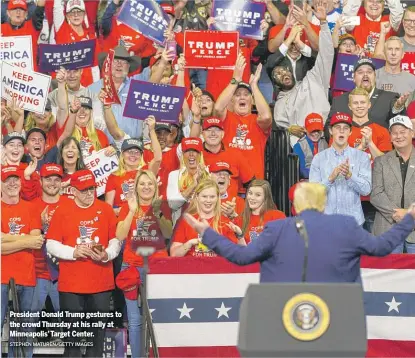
(131, 160)
(182, 183)
(259, 209)
(143, 218)
(204, 206)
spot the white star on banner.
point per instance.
(184, 311)
(223, 311)
(393, 305)
(151, 312)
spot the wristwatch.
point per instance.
(234, 81)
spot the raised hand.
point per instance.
(157, 206)
(151, 123)
(239, 67)
(132, 203)
(61, 75)
(16, 108)
(75, 105)
(320, 11)
(385, 27)
(253, 80)
(400, 102)
(30, 169)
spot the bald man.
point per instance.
(336, 242)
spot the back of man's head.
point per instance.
(310, 196)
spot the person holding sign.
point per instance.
(205, 206)
(132, 160)
(18, 25)
(74, 28)
(245, 131)
(183, 182)
(144, 218)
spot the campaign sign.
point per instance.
(29, 87)
(239, 15)
(70, 56)
(343, 75)
(101, 166)
(408, 62)
(146, 17)
(162, 101)
(109, 86)
(211, 49)
(17, 50)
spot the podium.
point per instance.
(303, 320)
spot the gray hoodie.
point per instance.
(310, 94)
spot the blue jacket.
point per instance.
(336, 243)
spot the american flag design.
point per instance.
(142, 227)
(14, 228)
(86, 234)
(253, 235)
(86, 146)
(195, 302)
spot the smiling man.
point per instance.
(345, 171)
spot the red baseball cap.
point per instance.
(83, 179)
(212, 122)
(220, 167)
(192, 143)
(340, 118)
(8, 171)
(168, 9)
(314, 122)
(17, 4)
(129, 281)
(50, 169)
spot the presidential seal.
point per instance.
(306, 317)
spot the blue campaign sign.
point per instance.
(146, 17)
(343, 75)
(70, 56)
(239, 15)
(161, 101)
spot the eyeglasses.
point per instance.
(76, 13)
(87, 191)
(119, 61)
(409, 21)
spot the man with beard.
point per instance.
(384, 104)
(343, 170)
(297, 99)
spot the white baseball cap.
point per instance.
(75, 4)
(402, 120)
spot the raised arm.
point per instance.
(116, 132)
(264, 119)
(69, 125)
(154, 165)
(225, 97)
(58, 14)
(62, 97)
(396, 13)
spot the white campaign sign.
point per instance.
(30, 88)
(17, 51)
(101, 166)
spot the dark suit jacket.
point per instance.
(336, 243)
(380, 112)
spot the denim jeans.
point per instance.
(134, 315)
(43, 289)
(25, 298)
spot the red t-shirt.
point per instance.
(26, 30)
(256, 226)
(183, 232)
(40, 262)
(245, 135)
(169, 163)
(368, 33)
(241, 171)
(121, 185)
(86, 145)
(66, 35)
(18, 219)
(144, 225)
(73, 226)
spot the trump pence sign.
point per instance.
(148, 99)
(211, 49)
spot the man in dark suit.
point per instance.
(385, 104)
(336, 242)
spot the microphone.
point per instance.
(299, 224)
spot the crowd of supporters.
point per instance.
(359, 144)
